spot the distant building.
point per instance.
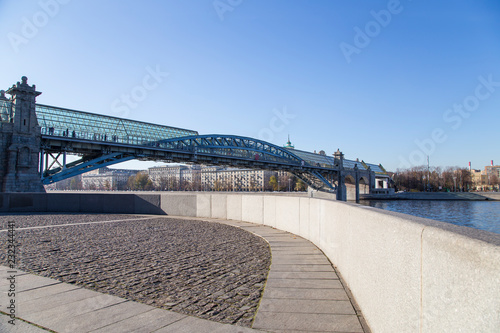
(209, 178)
(492, 170)
(487, 179)
(107, 179)
(231, 179)
(73, 183)
(382, 178)
(477, 178)
(175, 177)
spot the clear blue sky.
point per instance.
(373, 78)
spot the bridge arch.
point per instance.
(232, 146)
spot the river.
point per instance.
(483, 215)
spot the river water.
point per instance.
(484, 215)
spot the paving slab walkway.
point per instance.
(303, 293)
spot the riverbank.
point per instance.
(471, 196)
(483, 215)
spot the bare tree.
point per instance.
(434, 179)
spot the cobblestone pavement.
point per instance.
(206, 269)
(27, 220)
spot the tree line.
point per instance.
(433, 179)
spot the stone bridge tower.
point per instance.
(20, 139)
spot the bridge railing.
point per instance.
(94, 136)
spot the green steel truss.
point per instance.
(231, 146)
(226, 150)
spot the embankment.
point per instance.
(407, 274)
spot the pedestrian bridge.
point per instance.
(104, 140)
(101, 140)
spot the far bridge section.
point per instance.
(99, 140)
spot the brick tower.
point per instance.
(20, 138)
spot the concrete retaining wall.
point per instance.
(490, 195)
(407, 274)
(124, 203)
(466, 196)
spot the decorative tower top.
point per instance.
(339, 157)
(2, 96)
(289, 144)
(23, 87)
(23, 102)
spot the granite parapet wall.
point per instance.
(408, 274)
(113, 203)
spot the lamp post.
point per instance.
(455, 182)
(289, 184)
(461, 184)
(428, 175)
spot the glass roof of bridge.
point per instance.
(376, 168)
(350, 164)
(314, 159)
(83, 125)
(328, 161)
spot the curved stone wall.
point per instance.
(408, 274)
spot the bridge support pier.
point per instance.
(356, 176)
(341, 189)
(20, 139)
(40, 165)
